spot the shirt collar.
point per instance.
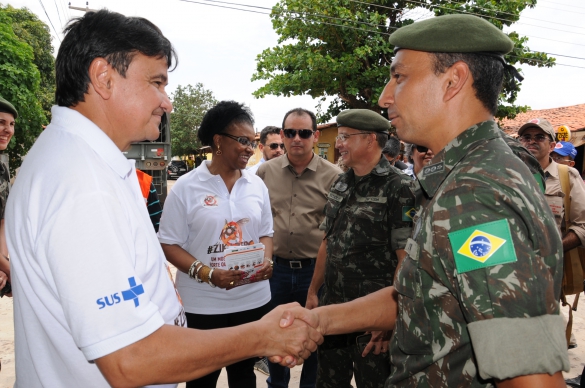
(311, 166)
(552, 169)
(434, 174)
(204, 174)
(73, 122)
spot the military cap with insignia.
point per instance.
(455, 34)
(363, 120)
(5, 106)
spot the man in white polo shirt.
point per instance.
(93, 302)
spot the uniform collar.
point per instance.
(73, 122)
(552, 169)
(204, 175)
(434, 174)
(284, 162)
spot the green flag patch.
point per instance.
(482, 246)
(408, 213)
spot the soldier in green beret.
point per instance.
(8, 115)
(367, 223)
(475, 301)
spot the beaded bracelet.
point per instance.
(209, 278)
(192, 269)
(197, 277)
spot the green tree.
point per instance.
(340, 49)
(19, 84)
(189, 106)
(31, 30)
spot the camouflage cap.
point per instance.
(5, 106)
(363, 120)
(452, 34)
(542, 124)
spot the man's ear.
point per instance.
(456, 78)
(317, 134)
(101, 77)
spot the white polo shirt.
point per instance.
(88, 274)
(202, 217)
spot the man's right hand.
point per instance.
(291, 334)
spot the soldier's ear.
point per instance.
(455, 78)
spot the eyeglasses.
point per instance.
(242, 140)
(345, 136)
(421, 149)
(274, 146)
(539, 138)
(558, 158)
(303, 133)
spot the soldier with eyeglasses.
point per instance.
(298, 184)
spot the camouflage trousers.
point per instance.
(340, 359)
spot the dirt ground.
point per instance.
(7, 376)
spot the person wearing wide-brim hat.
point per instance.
(475, 301)
(8, 115)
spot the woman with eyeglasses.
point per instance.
(217, 205)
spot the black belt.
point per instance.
(294, 263)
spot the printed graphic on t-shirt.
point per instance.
(210, 200)
(230, 235)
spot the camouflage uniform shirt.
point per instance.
(478, 290)
(366, 221)
(4, 187)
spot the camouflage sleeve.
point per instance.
(400, 207)
(501, 251)
(4, 187)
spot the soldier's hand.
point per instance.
(312, 300)
(379, 343)
(290, 339)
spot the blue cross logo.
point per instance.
(133, 292)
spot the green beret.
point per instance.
(363, 120)
(452, 34)
(5, 106)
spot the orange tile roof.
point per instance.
(572, 116)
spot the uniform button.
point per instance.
(293, 214)
(294, 195)
(290, 232)
(289, 251)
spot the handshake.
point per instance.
(289, 334)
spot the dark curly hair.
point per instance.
(221, 116)
(106, 34)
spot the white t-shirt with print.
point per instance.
(202, 217)
(88, 274)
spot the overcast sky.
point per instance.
(218, 47)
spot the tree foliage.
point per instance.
(31, 30)
(340, 49)
(190, 103)
(19, 84)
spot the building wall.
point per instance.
(327, 142)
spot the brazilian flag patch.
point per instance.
(482, 246)
(408, 213)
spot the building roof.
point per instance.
(571, 116)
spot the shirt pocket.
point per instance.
(370, 227)
(412, 323)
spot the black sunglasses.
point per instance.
(303, 133)
(242, 140)
(421, 149)
(274, 146)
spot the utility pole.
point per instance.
(86, 9)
